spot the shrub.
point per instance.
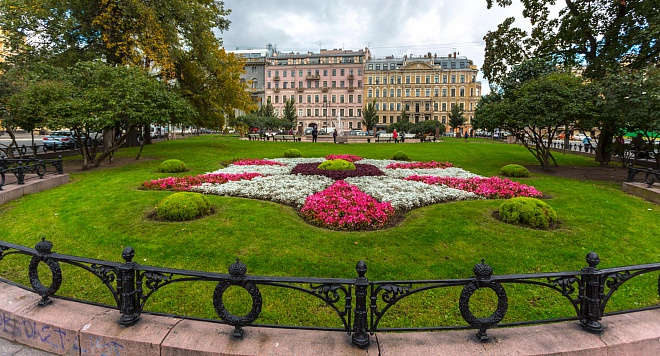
(172, 166)
(292, 153)
(337, 165)
(400, 156)
(528, 211)
(514, 170)
(183, 206)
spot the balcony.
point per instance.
(324, 89)
(350, 77)
(277, 90)
(276, 78)
(351, 88)
(313, 77)
(300, 89)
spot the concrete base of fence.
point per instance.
(69, 328)
(643, 191)
(14, 191)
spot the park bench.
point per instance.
(650, 175)
(384, 138)
(254, 137)
(286, 138)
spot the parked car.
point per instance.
(579, 137)
(59, 140)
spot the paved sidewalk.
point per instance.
(8, 348)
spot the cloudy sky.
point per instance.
(387, 27)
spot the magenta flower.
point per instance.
(492, 188)
(418, 165)
(185, 183)
(344, 207)
(345, 157)
(257, 162)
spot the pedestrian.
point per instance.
(334, 136)
(466, 135)
(315, 134)
(395, 136)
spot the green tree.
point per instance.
(370, 116)
(490, 113)
(456, 117)
(290, 117)
(267, 110)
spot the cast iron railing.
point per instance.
(359, 304)
(22, 168)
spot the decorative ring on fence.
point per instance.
(44, 247)
(23, 150)
(237, 271)
(483, 274)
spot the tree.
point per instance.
(290, 117)
(267, 110)
(427, 127)
(490, 112)
(599, 36)
(456, 117)
(369, 116)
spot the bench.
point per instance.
(286, 138)
(254, 137)
(650, 175)
(384, 137)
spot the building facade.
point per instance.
(324, 86)
(426, 87)
(255, 72)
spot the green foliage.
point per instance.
(370, 116)
(400, 156)
(172, 166)
(514, 170)
(456, 117)
(403, 125)
(336, 165)
(528, 211)
(290, 116)
(183, 206)
(292, 153)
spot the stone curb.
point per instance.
(70, 328)
(14, 191)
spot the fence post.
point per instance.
(360, 336)
(20, 173)
(129, 305)
(591, 295)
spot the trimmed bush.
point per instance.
(514, 170)
(400, 156)
(528, 211)
(172, 166)
(183, 206)
(292, 153)
(336, 165)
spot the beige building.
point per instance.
(426, 87)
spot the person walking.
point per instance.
(334, 136)
(395, 136)
(466, 135)
(315, 134)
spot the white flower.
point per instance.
(407, 195)
(438, 172)
(263, 169)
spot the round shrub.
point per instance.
(528, 211)
(292, 153)
(400, 156)
(183, 206)
(336, 165)
(514, 170)
(172, 166)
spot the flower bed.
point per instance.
(491, 188)
(344, 207)
(366, 197)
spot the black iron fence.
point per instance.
(359, 304)
(28, 168)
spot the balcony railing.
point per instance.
(300, 89)
(276, 78)
(324, 89)
(313, 77)
(350, 77)
(359, 305)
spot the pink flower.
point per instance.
(185, 183)
(257, 162)
(343, 206)
(492, 188)
(418, 165)
(345, 157)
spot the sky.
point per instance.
(387, 27)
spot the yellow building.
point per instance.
(426, 87)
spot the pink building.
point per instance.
(323, 85)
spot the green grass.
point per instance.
(102, 211)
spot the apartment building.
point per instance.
(255, 69)
(426, 87)
(324, 86)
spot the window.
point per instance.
(444, 79)
(359, 71)
(417, 92)
(462, 78)
(316, 112)
(398, 93)
(444, 119)
(277, 99)
(325, 98)
(293, 73)
(369, 81)
(300, 72)
(461, 92)
(300, 85)
(436, 92)
(453, 78)
(471, 91)
(428, 79)
(277, 73)
(377, 66)
(316, 84)
(392, 66)
(359, 100)
(385, 79)
(341, 112)
(377, 80)
(268, 74)
(300, 112)
(350, 71)
(471, 106)
(359, 113)
(350, 98)
(350, 112)
(325, 72)
(453, 91)
(325, 112)
(369, 93)
(392, 93)
(309, 72)
(407, 79)
(309, 84)
(341, 71)
(316, 72)
(384, 106)
(285, 84)
(391, 106)
(384, 93)
(444, 91)
(398, 106)
(334, 84)
(334, 72)
(300, 100)
(428, 93)
(407, 92)
(398, 80)
(359, 84)
(437, 79)
(462, 106)
(309, 98)
(284, 73)
(435, 108)
(350, 123)
(334, 112)
(316, 98)
(377, 92)
(334, 98)
(444, 107)
(268, 85)
(417, 79)
(325, 83)
(452, 106)
(309, 112)
(341, 84)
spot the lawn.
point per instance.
(101, 211)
